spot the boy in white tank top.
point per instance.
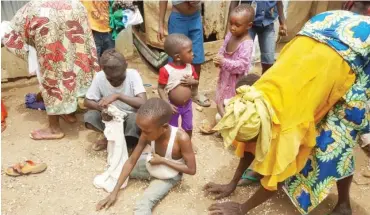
(170, 155)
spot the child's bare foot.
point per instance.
(100, 145)
(342, 209)
(47, 134)
(69, 118)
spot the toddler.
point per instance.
(235, 56)
(176, 80)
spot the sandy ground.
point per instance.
(66, 186)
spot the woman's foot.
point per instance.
(100, 145)
(249, 177)
(69, 118)
(47, 134)
(342, 209)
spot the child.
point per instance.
(249, 80)
(235, 55)
(176, 80)
(171, 148)
(117, 85)
(186, 19)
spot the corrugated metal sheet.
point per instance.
(9, 8)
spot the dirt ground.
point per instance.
(66, 186)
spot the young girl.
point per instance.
(235, 56)
(234, 59)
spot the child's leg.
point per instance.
(156, 191)
(343, 206)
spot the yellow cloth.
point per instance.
(305, 82)
(98, 14)
(247, 115)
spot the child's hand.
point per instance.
(107, 202)
(188, 80)
(218, 60)
(156, 159)
(174, 109)
(104, 102)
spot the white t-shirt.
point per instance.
(131, 86)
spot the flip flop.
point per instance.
(202, 101)
(247, 179)
(25, 168)
(42, 137)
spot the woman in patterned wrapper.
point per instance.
(298, 124)
(66, 52)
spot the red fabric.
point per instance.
(4, 113)
(163, 73)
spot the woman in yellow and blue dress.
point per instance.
(299, 123)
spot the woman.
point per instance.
(321, 77)
(60, 33)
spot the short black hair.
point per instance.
(157, 109)
(174, 43)
(113, 61)
(247, 9)
(248, 80)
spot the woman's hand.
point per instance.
(107, 202)
(219, 190)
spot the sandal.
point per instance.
(202, 100)
(247, 179)
(25, 168)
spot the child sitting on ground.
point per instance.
(117, 85)
(235, 56)
(176, 80)
(171, 156)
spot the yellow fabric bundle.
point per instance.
(247, 116)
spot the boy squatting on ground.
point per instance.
(170, 148)
(176, 80)
(117, 85)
